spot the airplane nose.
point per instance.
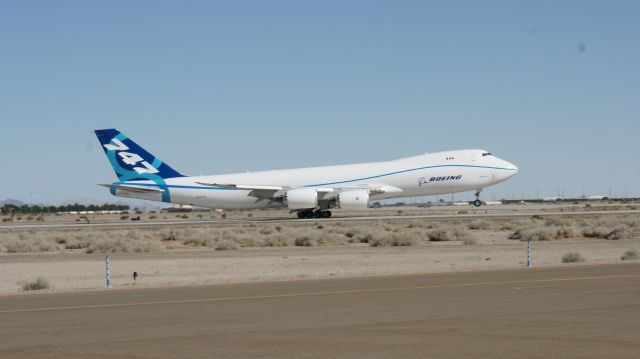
(513, 169)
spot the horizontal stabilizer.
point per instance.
(137, 189)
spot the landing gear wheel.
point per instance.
(326, 214)
(317, 214)
(477, 202)
(305, 213)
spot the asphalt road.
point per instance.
(479, 215)
(574, 311)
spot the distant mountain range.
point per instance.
(14, 202)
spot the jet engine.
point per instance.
(356, 199)
(301, 198)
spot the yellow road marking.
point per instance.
(293, 295)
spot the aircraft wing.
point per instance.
(137, 189)
(272, 192)
(254, 190)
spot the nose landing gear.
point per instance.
(477, 202)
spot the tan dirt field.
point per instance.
(73, 259)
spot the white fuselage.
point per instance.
(428, 174)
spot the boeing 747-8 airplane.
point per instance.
(312, 191)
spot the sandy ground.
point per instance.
(191, 267)
(181, 265)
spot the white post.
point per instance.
(528, 254)
(108, 272)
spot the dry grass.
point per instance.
(121, 245)
(553, 228)
(374, 233)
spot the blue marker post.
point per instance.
(528, 254)
(108, 272)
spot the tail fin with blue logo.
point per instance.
(130, 161)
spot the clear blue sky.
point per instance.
(552, 86)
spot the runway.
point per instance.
(564, 312)
(275, 220)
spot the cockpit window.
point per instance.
(486, 154)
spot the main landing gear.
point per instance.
(477, 202)
(310, 213)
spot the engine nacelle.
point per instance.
(356, 199)
(301, 198)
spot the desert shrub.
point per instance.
(539, 234)
(479, 224)
(226, 244)
(124, 217)
(608, 232)
(40, 219)
(36, 284)
(393, 240)
(153, 216)
(121, 245)
(30, 218)
(629, 255)
(304, 241)
(572, 257)
(244, 239)
(596, 232)
(457, 233)
(7, 219)
(362, 238)
(266, 231)
(276, 241)
(199, 242)
(558, 221)
(76, 244)
(171, 236)
(536, 217)
(620, 233)
(438, 235)
(543, 233)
